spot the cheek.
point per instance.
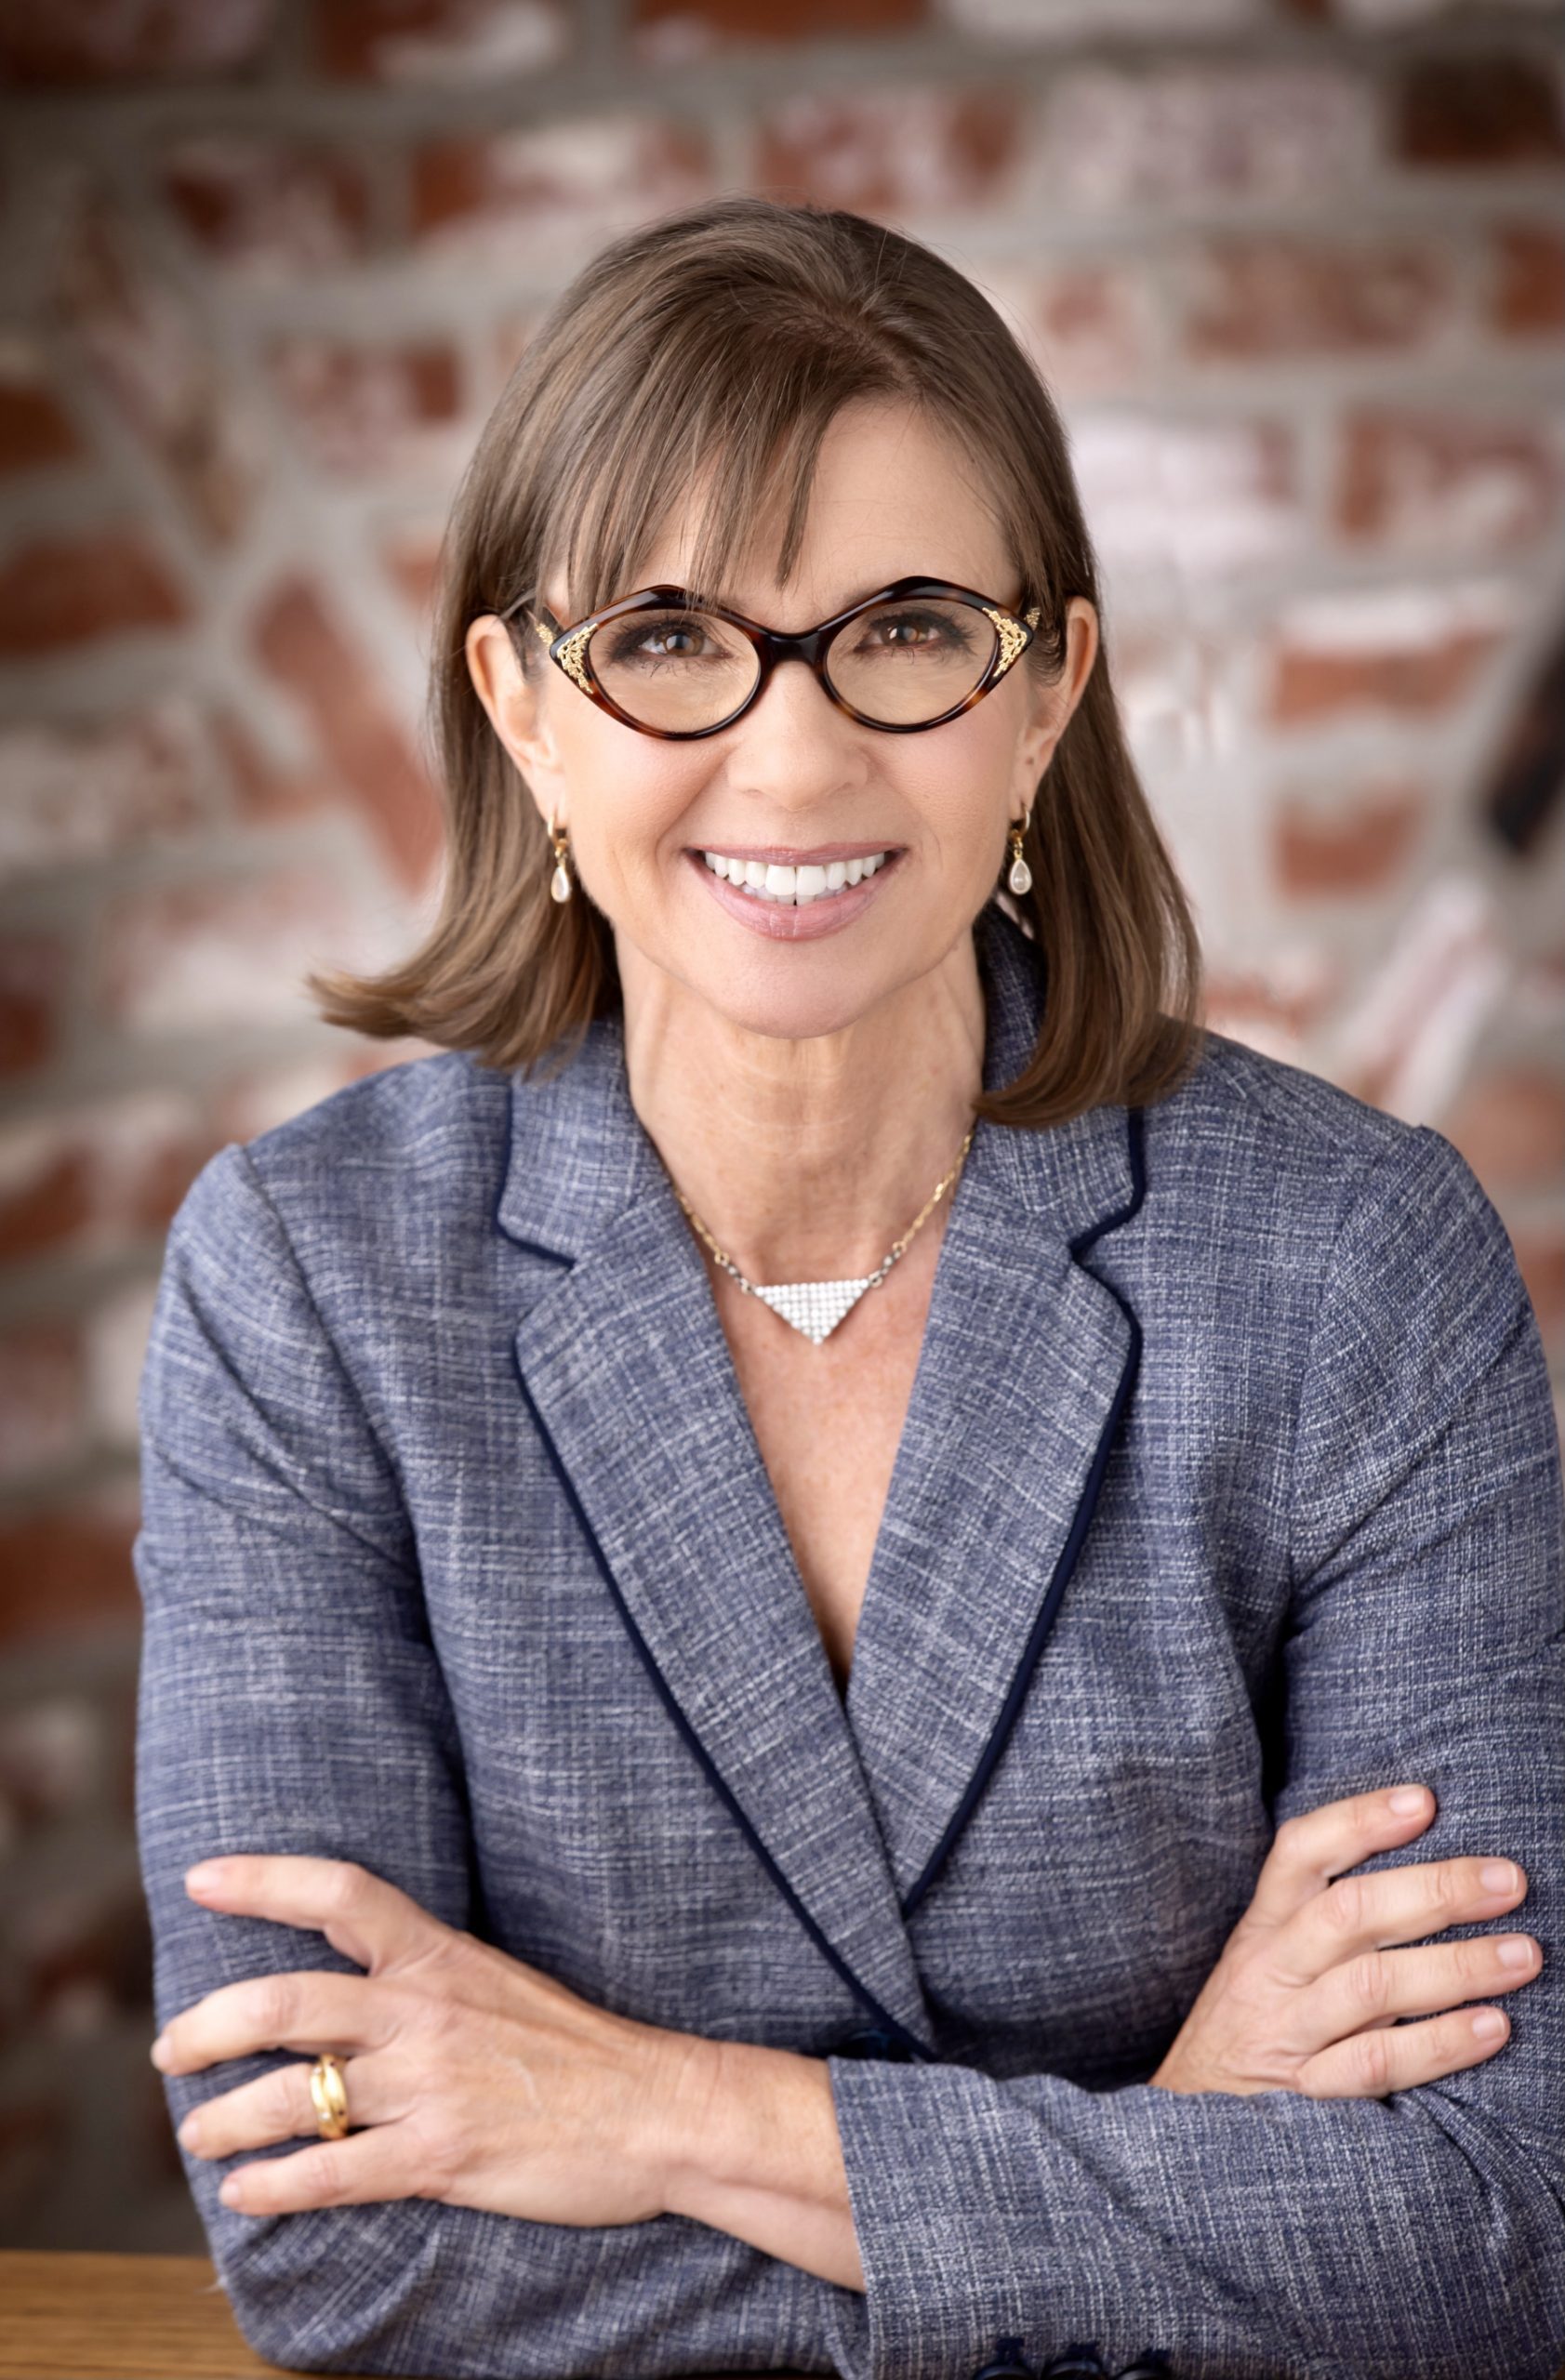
(628, 799)
(957, 789)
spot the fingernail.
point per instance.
(230, 2190)
(159, 2051)
(1486, 2023)
(1500, 1876)
(1408, 1799)
(201, 1878)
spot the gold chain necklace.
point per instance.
(817, 1307)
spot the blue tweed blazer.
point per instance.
(1231, 1485)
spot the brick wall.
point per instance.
(1296, 274)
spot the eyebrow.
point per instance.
(727, 600)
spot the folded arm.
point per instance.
(1266, 2237)
(291, 1701)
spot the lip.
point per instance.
(781, 921)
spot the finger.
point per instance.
(1313, 1846)
(280, 2105)
(1359, 1914)
(1398, 2057)
(368, 2165)
(1379, 1985)
(311, 2011)
(373, 1922)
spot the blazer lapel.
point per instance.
(624, 1364)
(1027, 1363)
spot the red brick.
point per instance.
(368, 410)
(84, 1953)
(1416, 651)
(255, 1102)
(1357, 847)
(508, 345)
(676, 31)
(1510, 1127)
(886, 152)
(1267, 1011)
(36, 430)
(1199, 498)
(97, 1176)
(81, 793)
(1257, 297)
(65, 591)
(33, 973)
(52, 1757)
(1466, 110)
(65, 1568)
(159, 365)
(43, 1389)
(1208, 132)
(439, 41)
(117, 1331)
(1311, 685)
(311, 656)
(268, 209)
(1437, 975)
(1441, 481)
(1085, 324)
(225, 953)
(412, 558)
(266, 789)
(1529, 292)
(574, 179)
(82, 41)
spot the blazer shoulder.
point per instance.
(425, 1120)
(1242, 1115)
(419, 1144)
(1274, 1158)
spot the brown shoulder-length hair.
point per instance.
(712, 346)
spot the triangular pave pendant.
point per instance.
(814, 1307)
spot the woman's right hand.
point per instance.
(1305, 1996)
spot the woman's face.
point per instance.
(796, 781)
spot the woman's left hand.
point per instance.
(476, 2080)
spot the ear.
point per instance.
(518, 708)
(1052, 705)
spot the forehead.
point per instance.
(892, 496)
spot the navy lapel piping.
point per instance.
(890, 2026)
(1136, 1142)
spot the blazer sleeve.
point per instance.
(290, 1699)
(1266, 2237)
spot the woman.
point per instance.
(799, 1822)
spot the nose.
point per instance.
(794, 743)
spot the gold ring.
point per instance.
(330, 2094)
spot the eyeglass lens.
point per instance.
(899, 664)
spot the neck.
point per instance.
(806, 1158)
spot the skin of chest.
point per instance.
(828, 1421)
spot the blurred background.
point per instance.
(1295, 271)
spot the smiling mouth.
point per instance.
(796, 886)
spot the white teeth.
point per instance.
(794, 885)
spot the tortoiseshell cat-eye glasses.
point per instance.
(911, 655)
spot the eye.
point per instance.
(912, 632)
(665, 639)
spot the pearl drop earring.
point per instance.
(560, 882)
(1020, 876)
